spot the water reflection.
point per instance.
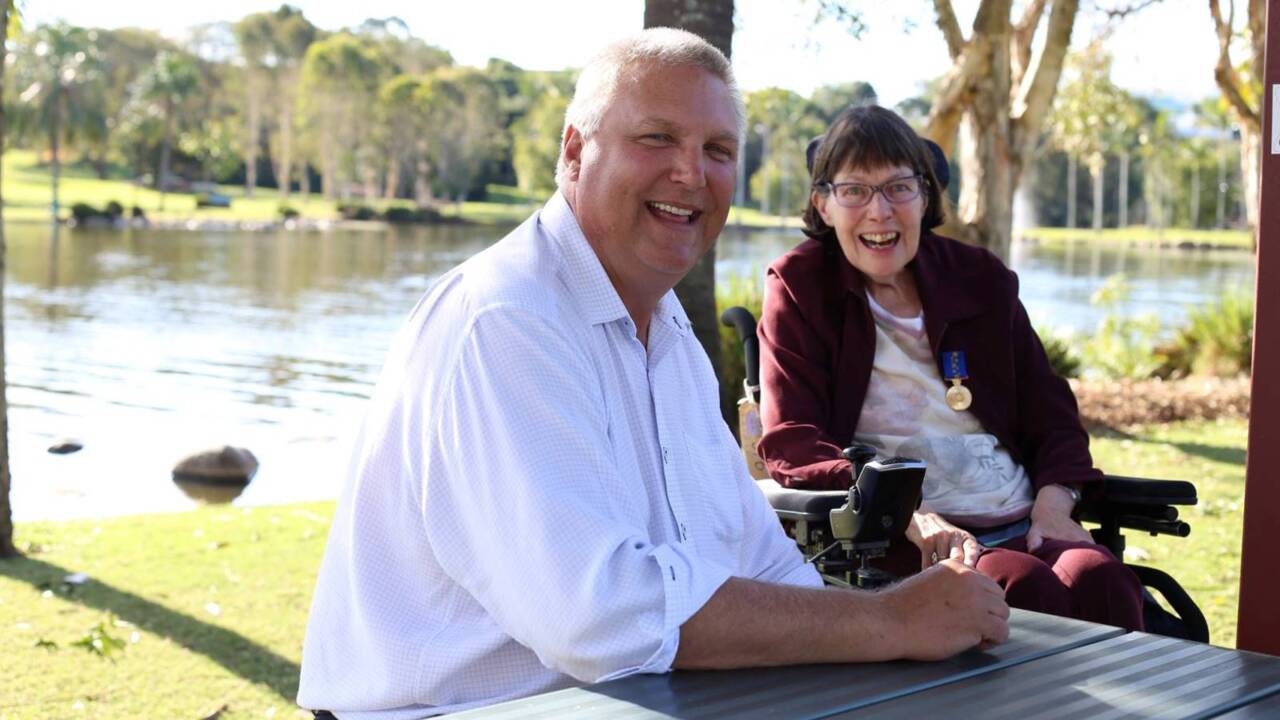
(151, 344)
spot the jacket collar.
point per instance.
(949, 289)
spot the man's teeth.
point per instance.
(682, 212)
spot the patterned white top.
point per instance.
(534, 501)
(971, 479)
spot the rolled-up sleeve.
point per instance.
(522, 511)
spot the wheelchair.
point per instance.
(841, 532)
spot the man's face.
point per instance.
(651, 187)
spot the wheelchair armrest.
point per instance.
(1141, 491)
(794, 504)
(1137, 504)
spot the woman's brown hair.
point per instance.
(872, 137)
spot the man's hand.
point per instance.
(1051, 518)
(947, 609)
(939, 540)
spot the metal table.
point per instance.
(1050, 667)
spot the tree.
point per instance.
(830, 100)
(7, 548)
(789, 121)
(340, 80)
(171, 82)
(536, 142)
(1242, 88)
(1089, 122)
(273, 45)
(60, 74)
(713, 21)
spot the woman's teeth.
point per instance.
(879, 240)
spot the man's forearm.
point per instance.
(750, 624)
(937, 613)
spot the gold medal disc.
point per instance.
(959, 398)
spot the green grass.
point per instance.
(27, 196)
(1142, 235)
(1210, 454)
(211, 604)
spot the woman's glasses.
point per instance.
(856, 195)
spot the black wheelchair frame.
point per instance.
(1121, 503)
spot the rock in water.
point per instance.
(226, 465)
(65, 446)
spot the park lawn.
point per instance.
(1207, 563)
(211, 604)
(1142, 235)
(27, 195)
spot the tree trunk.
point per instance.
(163, 181)
(713, 21)
(1250, 170)
(1071, 190)
(304, 181)
(1000, 117)
(7, 548)
(393, 177)
(1195, 196)
(55, 162)
(1221, 210)
(251, 146)
(1097, 170)
(284, 171)
(1123, 209)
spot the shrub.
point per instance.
(136, 212)
(1063, 358)
(287, 212)
(353, 211)
(83, 212)
(1217, 340)
(400, 214)
(1123, 346)
(748, 292)
(114, 209)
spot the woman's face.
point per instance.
(880, 237)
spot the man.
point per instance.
(543, 493)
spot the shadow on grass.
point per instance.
(1227, 454)
(237, 654)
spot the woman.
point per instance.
(877, 331)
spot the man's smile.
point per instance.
(673, 213)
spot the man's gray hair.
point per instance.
(625, 60)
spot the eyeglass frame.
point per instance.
(826, 187)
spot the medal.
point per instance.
(954, 369)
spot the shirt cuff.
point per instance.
(687, 585)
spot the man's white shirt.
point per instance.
(534, 501)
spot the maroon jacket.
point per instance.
(817, 345)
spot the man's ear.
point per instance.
(571, 149)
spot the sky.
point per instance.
(1166, 51)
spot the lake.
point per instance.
(149, 345)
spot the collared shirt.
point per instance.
(535, 500)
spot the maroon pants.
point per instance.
(1071, 579)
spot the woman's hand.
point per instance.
(939, 540)
(1051, 518)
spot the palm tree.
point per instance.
(713, 21)
(7, 548)
(172, 79)
(60, 77)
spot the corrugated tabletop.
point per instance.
(814, 691)
(1133, 675)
